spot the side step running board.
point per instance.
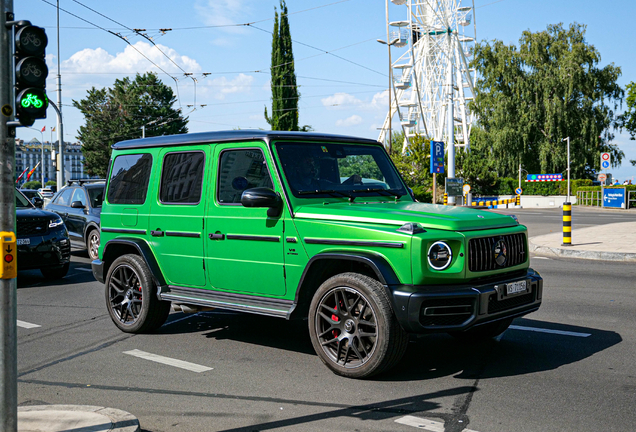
(236, 302)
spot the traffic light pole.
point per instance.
(8, 287)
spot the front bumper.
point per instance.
(98, 270)
(49, 250)
(444, 308)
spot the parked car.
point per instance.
(80, 205)
(31, 194)
(304, 226)
(42, 239)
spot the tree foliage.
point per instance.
(118, 113)
(628, 118)
(414, 165)
(285, 93)
(529, 98)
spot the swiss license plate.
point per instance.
(24, 241)
(516, 287)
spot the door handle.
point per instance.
(157, 233)
(216, 236)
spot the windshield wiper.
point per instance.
(331, 192)
(385, 192)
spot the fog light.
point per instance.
(440, 255)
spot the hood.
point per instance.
(34, 212)
(398, 213)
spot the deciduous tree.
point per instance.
(118, 113)
(529, 98)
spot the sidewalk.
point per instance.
(610, 242)
(76, 418)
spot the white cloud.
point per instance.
(379, 102)
(223, 13)
(349, 121)
(218, 88)
(130, 60)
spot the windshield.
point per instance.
(338, 170)
(21, 201)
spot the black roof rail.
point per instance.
(82, 181)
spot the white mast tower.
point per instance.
(432, 80)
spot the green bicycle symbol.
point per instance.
(32, 100)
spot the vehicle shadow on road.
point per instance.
(34, 278)
(517, 352)
(242, 327)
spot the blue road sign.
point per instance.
(605, 164)
(518, 191)
(614, 198)
(437, 157)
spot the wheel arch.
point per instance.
(115, 248)
(89, 227)
(323, 266)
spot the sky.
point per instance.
(341, 69)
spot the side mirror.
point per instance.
(77, 204)
(263, 197)
(38, 202)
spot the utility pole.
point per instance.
(60, 125)
(8, 287)
(451, 117)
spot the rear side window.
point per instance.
(182, 177)
(129, 179)
(240, 170)
(64, 198)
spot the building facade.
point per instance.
(27, 156)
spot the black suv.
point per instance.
(42, 239)
(80, 205)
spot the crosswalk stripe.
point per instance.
(541, 330)
(168, 361)
(426, 424)
(26, 325)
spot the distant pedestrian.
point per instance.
(626, 182)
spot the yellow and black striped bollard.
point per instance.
(518, 200)
(445, 198)
(567, 224)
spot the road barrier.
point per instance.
(445, 198)
(491, 203)
(567, 224)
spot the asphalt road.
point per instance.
(571, 366)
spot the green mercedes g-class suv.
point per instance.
(303, 226)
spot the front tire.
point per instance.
(131, 296)
(92, 244)
(352, 327)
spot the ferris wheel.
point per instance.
(432, 80)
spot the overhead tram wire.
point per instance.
(122, 38)
(149, 39)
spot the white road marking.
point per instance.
(84, 269)
(426, 424)
(168, 361)
(535, 257)
(541, 330)
(26, 325)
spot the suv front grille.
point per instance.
(481, 255)
(32, 226)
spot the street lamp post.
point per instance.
(388, 44)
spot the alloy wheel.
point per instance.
(125, 294)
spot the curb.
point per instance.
(78, 418)
(591, 255)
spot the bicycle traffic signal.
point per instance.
(30, 73)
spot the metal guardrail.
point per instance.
(595, 199)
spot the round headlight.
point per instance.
(440, 255)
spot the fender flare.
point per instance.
(382, 269)
(146, 254)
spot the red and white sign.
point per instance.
(605, 156)
(602, 178)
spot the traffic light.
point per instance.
(30, 73)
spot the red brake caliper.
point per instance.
(335, 318)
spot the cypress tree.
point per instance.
(285, 94)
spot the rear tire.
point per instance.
(483, 332)
(352, 327)
(92, 244)
(55, 272)
(131, 296)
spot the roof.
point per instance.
(235, 136)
